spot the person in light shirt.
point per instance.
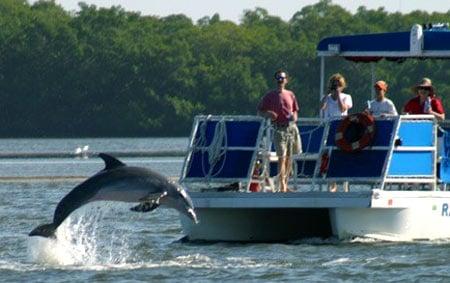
(381, 106)
(336, 103)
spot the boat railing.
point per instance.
(236, 152)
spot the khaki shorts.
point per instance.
(287, 140)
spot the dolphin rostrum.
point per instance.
(119, 182)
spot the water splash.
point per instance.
(87, 237)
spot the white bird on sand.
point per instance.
(85, 151)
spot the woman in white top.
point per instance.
(336, 103)
(381, 106)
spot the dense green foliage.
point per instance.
(109, 72)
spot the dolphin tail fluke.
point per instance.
(191, 214)
(45, 230)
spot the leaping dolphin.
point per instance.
(119, 182)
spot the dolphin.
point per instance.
(119, 182)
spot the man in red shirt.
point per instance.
(281, 107)
(426, 101)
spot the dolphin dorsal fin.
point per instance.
(110, 161)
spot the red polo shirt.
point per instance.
(283, 103)
(414, 107)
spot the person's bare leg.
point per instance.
(282, 173)
(288, 165)
(345, 185)
(333, 187)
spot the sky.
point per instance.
(233, 9)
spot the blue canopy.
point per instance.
(418, 43)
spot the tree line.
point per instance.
(111, 72)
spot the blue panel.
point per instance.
(365, 163)
(273, 169)
(445, 144)
(440, 133)
(384, 129)
(436, 40)
(416, 133)
(305, 169)
(311, 138)
(401, 163)
(239, 133)
(393, 41)
(383, 132)
(445, 170)
(236, 165)
(243, 133)
(332, 132)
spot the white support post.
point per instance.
(372, 71)
(322, 80)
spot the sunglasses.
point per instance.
(280, 76)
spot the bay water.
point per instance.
(104, 241)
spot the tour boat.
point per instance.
(392, 175)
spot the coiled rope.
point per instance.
(216, 150)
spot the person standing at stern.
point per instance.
(281, 107)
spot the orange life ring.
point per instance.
(355, 132)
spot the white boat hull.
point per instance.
(385, 215)
(396, 216)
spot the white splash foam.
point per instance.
(338, 261)
(82, 240)
(363, 240)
